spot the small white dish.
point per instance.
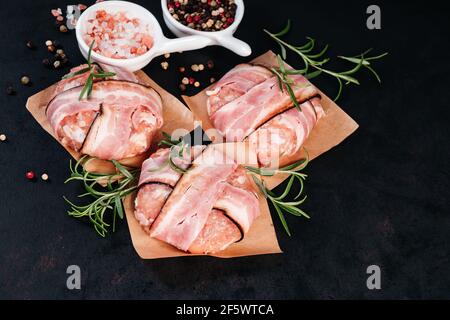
(161, 44)
(223, 38)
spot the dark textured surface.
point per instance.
(381, 197)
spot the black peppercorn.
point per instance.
(46, 63)
(30, 45)
(10, 91)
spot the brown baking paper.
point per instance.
(175, 114)
(331, 130)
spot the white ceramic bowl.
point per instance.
(161, 44)
(223, 38)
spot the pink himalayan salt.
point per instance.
(117, 36)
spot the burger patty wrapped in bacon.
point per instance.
(116, 122)
(247, 103)
(204, 210)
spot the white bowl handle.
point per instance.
(182, 44)
(237, 46)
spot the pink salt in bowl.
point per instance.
(156, 43)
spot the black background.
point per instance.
(381, 197)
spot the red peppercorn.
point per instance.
(30, 175)
(189, 19)
(230, 20)
(177, 4)
(191, 80)
(197, 18)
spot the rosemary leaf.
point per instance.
(118, 206)
(104, 75)
(76, 73)
(122, 169)
(286, 29)
(86, 88)
(90, 54)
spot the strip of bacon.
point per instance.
(188, 208)
(157, 181)
(157, 170)
(234, 84)
(239, 200)
(283, 135)
(239, 118)
(80, 79)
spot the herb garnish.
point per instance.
(280, 203)
(106, 198)
(92, 69)
(317, 62)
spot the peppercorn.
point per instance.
(10, 91)
(194, 67)
(56, 44)
(196, 84)
(30, 175)
(185, 80)
(30, 45)
(182, 69)
(212, 80)
(2, 137)
(56, 64)
(201, 67)
(203, 15)
(58, 24)
(210, 64)
(167, 55)
(165, 65)
(51, 48)
(25, 80)
(44, 176)
(182, 87)
(46, 62)
(60, 51)
(63, 28)
(191, 80)
(48, 43)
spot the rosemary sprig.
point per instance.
(105, 198)
(178, 148)
(280, 203)
(92, 69)
(317, 61)
(107, 191)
